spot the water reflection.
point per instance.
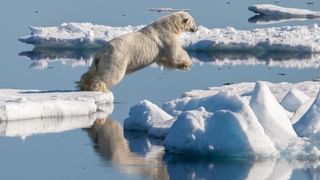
(30, 127)
(263, 19)
(41, 58)
(271, 59)
(136, 153)
(110, 143)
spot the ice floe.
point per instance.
(244, 119)
(75, 35)
(33, 104)
(268, 13)
(278, 11)
(147, 116)
(167, 10)
(275, 39)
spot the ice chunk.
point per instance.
(278, 11)
(294, 99)
(272, 116)
(30, 104)
(236, 120)
(229, 128)
(160, 129)
(167, 10)
(309, 123)
(146, 115)
(301, 111)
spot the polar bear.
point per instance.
(155, 43)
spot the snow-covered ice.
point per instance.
(294, 99)
(75, 35)
(278, 11)
(147, 116)
(309, 123)
(32, 104)
(274, 39)
(244, 119)
(227, 127)
(272, 116)
(268, 13)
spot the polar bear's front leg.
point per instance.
(184, 62)
(179, 58)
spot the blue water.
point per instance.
(103, 152)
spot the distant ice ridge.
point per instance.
(278, 11)
(89, 36)
(241, 120)
(167, 10)
(35, 104)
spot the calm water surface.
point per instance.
(105, 151)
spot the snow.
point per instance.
(309, 123)
(239, 120)
(75, 35)
(294, 99)
(32, 104)
(272, 116)
(231, 129)
(89, 36)
(278, 11)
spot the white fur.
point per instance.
(157, 42)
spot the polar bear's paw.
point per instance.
(99, 86)
(184, 66)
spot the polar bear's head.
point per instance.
(179, 22)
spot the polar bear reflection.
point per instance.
(109, 141)
(157, 42)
